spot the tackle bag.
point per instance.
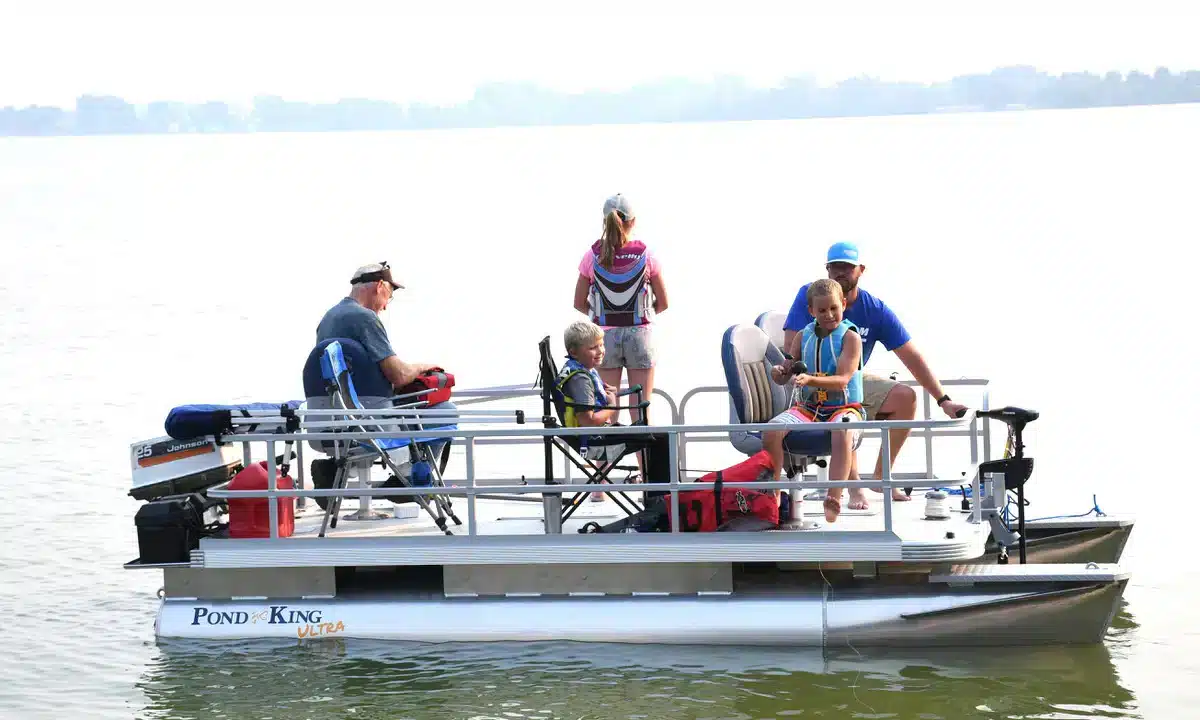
(725, 508)
(435, 379)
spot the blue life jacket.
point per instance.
(821, 355)
(569, 370)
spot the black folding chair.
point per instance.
(554, 410)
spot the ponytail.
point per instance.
(613, 238)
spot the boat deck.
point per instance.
(512, 533)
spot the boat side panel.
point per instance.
(1098, 545)
(994, 614)
(792, 621)
(224, 583)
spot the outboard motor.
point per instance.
(1014, 470)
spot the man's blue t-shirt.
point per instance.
(875, 320)
(350, 320)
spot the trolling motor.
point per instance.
(1015, 470)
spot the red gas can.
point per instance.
(250, 517)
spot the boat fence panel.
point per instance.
(307, 425)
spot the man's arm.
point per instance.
(400, 373)
(915, 362)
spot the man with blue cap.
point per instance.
(883, 398)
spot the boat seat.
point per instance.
(747, 355)
(771, 322)
(332, 376)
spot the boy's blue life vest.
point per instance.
(821, 355)
(569, 370)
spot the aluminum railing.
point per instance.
(319, 430)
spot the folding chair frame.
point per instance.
(553, 410)
(342, 394)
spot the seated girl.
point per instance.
(832, 392)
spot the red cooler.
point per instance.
(251, 517)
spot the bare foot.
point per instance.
(897, 494)
(858, 499)
(833, 506)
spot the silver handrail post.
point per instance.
(272, 496)
(926, 401)
(987, 428)
(885, 457)
(673, 469)
(300, 474)
(471, 486)
(976, 481)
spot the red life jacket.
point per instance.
(435, 379)
(708, 510)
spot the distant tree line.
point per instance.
(499, 104)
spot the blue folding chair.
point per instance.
(335, 370)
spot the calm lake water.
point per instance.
(1051, 252)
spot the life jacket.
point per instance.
(821, 355)
(569, 370)
(709, 510)
(435, 379)
(620, 296)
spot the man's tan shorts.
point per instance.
(875, 391)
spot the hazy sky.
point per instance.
(54, 50)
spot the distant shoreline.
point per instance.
(1009, 89)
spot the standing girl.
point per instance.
(620, 288)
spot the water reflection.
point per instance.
(365, 679)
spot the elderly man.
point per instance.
(883, 398)
(357, 317)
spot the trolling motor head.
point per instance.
(1015, 417)
(1016, 469)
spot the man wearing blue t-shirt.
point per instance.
(883, 398)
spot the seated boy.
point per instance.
(830, 390)
(580, 385)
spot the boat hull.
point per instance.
(1054, 543)
(1027, 612)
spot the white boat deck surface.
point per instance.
(512, 533)
(499, 517)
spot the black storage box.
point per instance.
(170, 528)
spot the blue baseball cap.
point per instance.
(846, 252)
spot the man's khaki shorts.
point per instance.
(875, 391)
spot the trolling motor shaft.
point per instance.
(1016, 469)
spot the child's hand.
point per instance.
(779, 374)
(611, 393)
(803, 379)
